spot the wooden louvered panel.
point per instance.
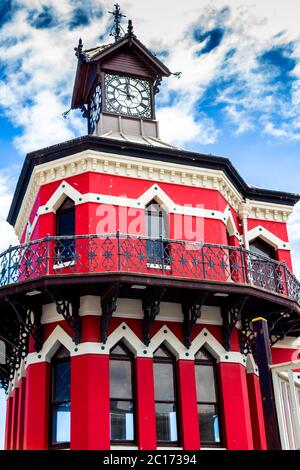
(125, 62)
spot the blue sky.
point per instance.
(238, 96)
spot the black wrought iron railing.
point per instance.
(90, 254)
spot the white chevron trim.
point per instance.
(155, 191)
(125, 333)
(268, 237)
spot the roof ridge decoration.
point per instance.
(117, 30)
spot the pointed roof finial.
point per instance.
(78, 49)
(117, 31)
(130, 27)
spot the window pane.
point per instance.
(62, 382)
(120, 379)
(66, 223)
(204, 355)
(261, 248)
(166, 422)
(205, 380)
(121, 421)
(209, 424)
(162, 352)
(119, 350)
(164, 382)
(61, 423)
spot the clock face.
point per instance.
(94, 109)
(126, 95)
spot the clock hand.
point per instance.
(124, 93)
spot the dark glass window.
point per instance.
(260, 247)
(207, 398)
(65, 226)
(60, 398)
(121, 366)
(157, 231)
(165, 397)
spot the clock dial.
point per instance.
(126, 95)
(94, 109)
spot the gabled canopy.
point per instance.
(128, 55)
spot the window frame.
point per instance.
(160, 243)
(54, 362)
(127, 358)
(63, 240)
(269, 249)
(211, 362)
(169, 360)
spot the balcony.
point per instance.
(90, 255)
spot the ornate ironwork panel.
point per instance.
(89, 254)
(247, 337)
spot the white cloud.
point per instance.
(7, 184)
(41, 65)
(180, 127)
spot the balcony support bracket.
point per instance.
(108, 305)
(151, 308)
(231, 314)
(68, 307)
(192, 311)
(29, 318)
(281, 327)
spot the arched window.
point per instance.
(166, 407)
(121, 365)
(156, 222)
(207, 399)
(60, 399)
(65, 226)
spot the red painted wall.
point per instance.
(8, 423)
(190, 434)
(256, 411)
(145, 422)
(284, 355)
(37, 406)
(21, 411)
(14, 420)
(236, 409)
(90, 402)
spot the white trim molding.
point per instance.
(268, 237)
(123, 332)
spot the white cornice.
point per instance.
(267, 211)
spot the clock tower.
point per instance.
(116, 85)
